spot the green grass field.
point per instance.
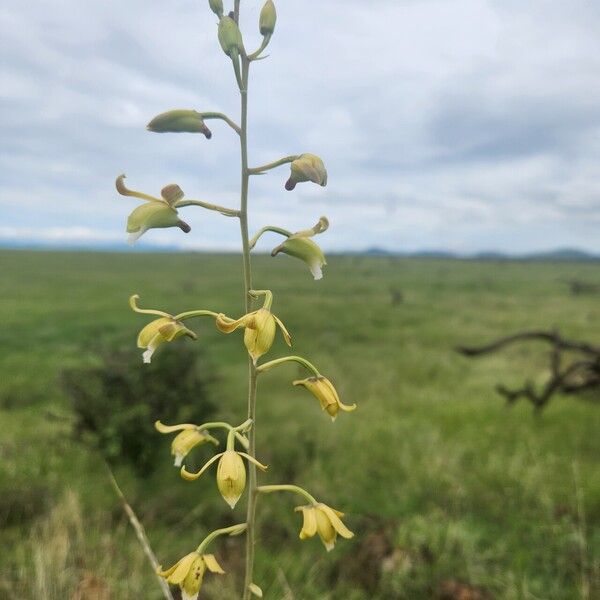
(442, 483)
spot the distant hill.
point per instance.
(559, 254)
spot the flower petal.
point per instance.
(193, 476)
(336, 521)
(178, 572)
(227, 325)
(254, 461)
(286, 336)
(125, 191)
(309, 526)
(162, 428)
(212, 565)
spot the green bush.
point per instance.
(116, 403)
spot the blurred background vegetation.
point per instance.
(452, 495)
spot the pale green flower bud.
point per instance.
(230, 37)
(217, 7)
(268, 18)
(304, 249)
(179, 121)
(307, 167)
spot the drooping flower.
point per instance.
(186, 440)
(322, 389)
(301, 246)
(188, 573)
(164, 329)
(320, 518)
(155, 213)
(231, 474)
(259, 334)
(307, 167)
(179, 121)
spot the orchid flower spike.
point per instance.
(301, 246)
(186, 440)
(307, 167)
(322, 389)
(164, 329)
(320, 518)
(188, 573)
(155, 213)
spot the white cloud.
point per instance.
(470, 124)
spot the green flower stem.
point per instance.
(233, 530)
(279, 361)
(231, 440)
(268, 294)
(242, 440)
(264, 230)
(190, 314)
(267, 489)
(221, 425)
(245, 426)
(217, 115)
(265, 43)
(272, 165)
(228, 212)
(252, 375)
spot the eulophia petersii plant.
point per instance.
(259, 324)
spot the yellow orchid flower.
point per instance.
(299, 245)
(155, 213)
(322, 389)
(231, 473)
(164, 329)
(186, 440)
(259, 334)
(320, 518)
(307, 167)
(189, 571)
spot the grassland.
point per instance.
(443, 484)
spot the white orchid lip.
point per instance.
(134, 236)
(316, 270)
(147, 355)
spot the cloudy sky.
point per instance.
(457, 124)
